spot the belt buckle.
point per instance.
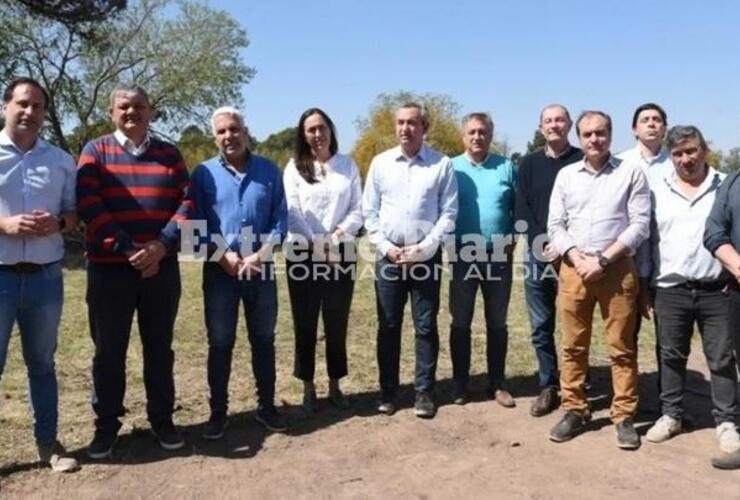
(693, 284)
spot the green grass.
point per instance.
(75, 353)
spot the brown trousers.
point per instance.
(616, 294)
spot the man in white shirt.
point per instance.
(598, 216)
(410, 206)
(691, 288)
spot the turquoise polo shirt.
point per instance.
(485, 196)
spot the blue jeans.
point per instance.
(35, 301)
(393, 285)
(494, 280)
(541, 290)
(222, 294)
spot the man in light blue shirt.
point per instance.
(409, 204)
(483, 241)
(37, 203)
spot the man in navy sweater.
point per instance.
(536, 177)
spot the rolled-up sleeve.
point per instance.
(638, 212)
(718, 229)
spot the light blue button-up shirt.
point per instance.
(42, 178)
(410, 201)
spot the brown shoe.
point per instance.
(547, 401)
(504, 398)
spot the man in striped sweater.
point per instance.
(131, 192)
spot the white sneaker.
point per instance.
(664, 429)
(729, 439)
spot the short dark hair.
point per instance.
(589, 113)
(303, 156)
(647, 107)
(24, 80)
(680, 133)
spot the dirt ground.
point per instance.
(480, 450)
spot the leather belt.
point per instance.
(703, 285)
(23, 267)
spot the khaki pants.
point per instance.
(616, 294)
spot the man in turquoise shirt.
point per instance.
(483, 242)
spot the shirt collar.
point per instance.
(129, 145)
(712, 180)
(421, 154)
(475, 163)
(229, 168)
(5, 140)
(612, 163)
(659, 158)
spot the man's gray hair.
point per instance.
(588, 114)
(128, 88)
(480, 116)
(556, 106)
(227, 110)
(415, 105)
(680, 133)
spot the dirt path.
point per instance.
(477, 451)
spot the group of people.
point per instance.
(652, 230)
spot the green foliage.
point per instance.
(731, 161)
(537, 143)
(377, 131)
(196, 146)
(278, 147)
(81, 16)
(185, 53)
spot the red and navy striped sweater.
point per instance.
(125, 198)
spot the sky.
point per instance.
(509, 58)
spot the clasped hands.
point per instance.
(37, 223)
(145, 257)
(404, 256)
(586, 266)
(236, 266)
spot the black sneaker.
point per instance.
(460, 392)
(102, 444)
(168, 436)
(627, 437)
(216, 425)
(424, 405)
(271, 419)
(569, 427)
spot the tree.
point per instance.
(278, 147)
(538, 142)
(185, 54)
(81, 16)
(377, 131)
(731, 162)
(196, 146)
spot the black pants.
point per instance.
(320, 288)
(678, 309)
(114, 293)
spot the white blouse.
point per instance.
(333, 201)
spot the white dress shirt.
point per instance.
(591, 210)
(410, 201)
(676, 239)
(333, 201)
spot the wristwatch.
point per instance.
(62, 223)
(603, 261)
